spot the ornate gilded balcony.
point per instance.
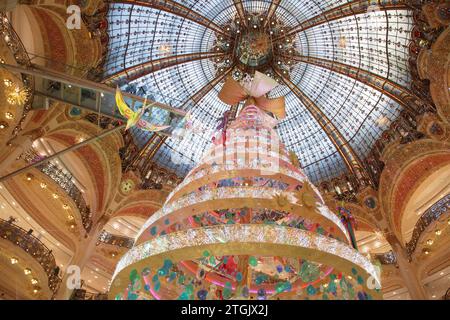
(114, 240)
(402, 131)
(431, 215)
(153, 176)
(81, 294)
(386, 258)
(65, 180)
(21, 57)
(34, 247)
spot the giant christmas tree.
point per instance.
(245, 224)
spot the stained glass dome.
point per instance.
(365, 35)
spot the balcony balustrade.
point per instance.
(115, 240)
(433, 214)
(35, 248)
(65, 180)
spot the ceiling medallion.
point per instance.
(251, 47)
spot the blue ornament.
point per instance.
(262, 294)
(183, 296)
(168, 264)
(132, 296)
(162, 272)
(172, 276)
(311, 290)
(202, 294)
(279, 269)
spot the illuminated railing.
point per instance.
(447, 295)
(35, 248)
(65, 180)
(114, 240)
(431, 215)
(81, 294)
(386, 258)
(20, 55)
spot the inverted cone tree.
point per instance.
(245, 224)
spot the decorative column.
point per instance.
(408, 270)
(86, 248)
(16, 147)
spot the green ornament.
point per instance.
(309, 272)
(189, 289)
(183, 296)
(134, 275)
(226, 293)
(331, 286)
(279, 287)
(253, 261)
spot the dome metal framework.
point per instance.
(348, 75)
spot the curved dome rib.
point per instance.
(396, 92)
(345, 10)
(192, 101)
(178, 9)
(143, 69)
(240, 10)
(272, 10)
(349, 156)
(165, 149)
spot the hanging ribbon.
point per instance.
(254, 93)
(350, 223)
